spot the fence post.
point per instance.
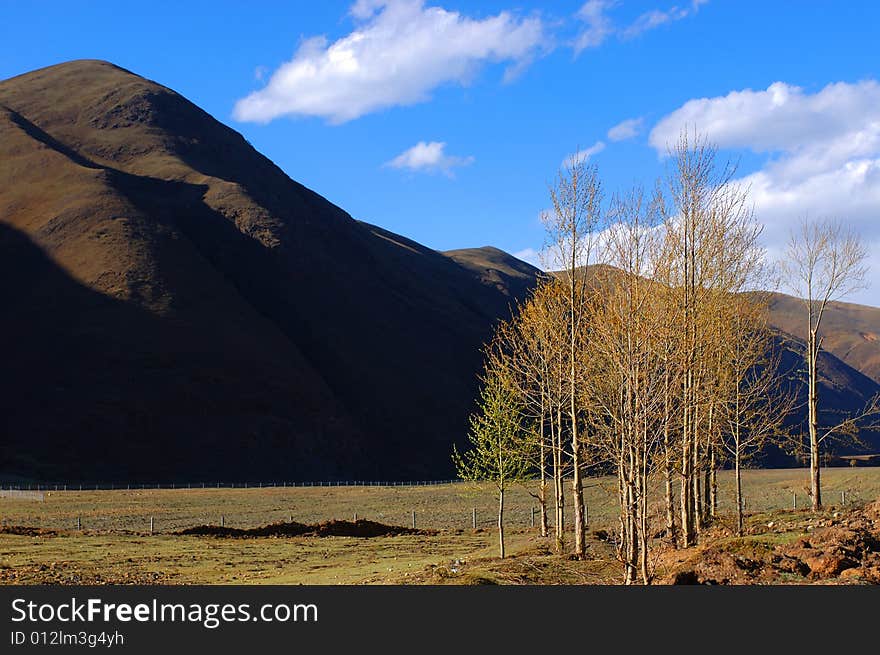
(843, 497)
(532, 519)
(151, 525)
(222, 521)
(794, 501)
(414, 519)
(79, 523)
(474, 518)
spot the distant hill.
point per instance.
(493, 267)
(850, 332)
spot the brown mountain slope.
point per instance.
(195, 298)
(850, 332)
(493, 267)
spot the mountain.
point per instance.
(493, 267)
(850, 332)
(176, 307)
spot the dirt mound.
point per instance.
(720, 565)
(360, 528)
(363, 528)
(27, 531)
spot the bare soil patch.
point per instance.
(335, 528)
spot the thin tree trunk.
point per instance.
(580, 528)
(713, 485)
(687, 511)
(501, 519)
(668, 469)
(542, 502)
(558, 489)
(813, 402)
(696, 478)
(542, 492)
(739, 498)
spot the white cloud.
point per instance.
(597, 25)
(428, 157)
(398, 53)
(652, 19)
(625, 130)
(823, 154)
(583, 155)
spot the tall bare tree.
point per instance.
(626, 376)
(824, 262)
(572, 229)
(710, 238)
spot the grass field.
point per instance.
(115, 546)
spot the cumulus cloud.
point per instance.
(822, 149)
(625, 129)
(398, 53)
(583, 155)
(428, 157)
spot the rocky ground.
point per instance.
(798, 547)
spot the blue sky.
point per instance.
(445, 121)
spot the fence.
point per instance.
(439, 504)
(19, 494)
(110, 486)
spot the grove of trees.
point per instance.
(646, 354)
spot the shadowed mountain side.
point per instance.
(96, 388)
(137, 193)
(849, 331)
(843, 392)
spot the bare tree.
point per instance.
(710, 242)
(824, 262)
(625, 378)
(534, 339)
(572, 228)
(754, 400)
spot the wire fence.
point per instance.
(437, 505)
(128, 486)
